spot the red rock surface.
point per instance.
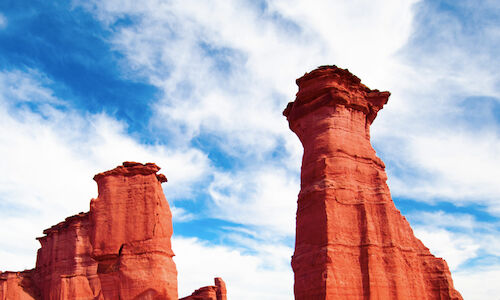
(119, 250)
(351, 241)
(130, 235)
(212, 292)
(64, 267)
(17, 286)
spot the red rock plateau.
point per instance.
(351, 241)
(120, 249)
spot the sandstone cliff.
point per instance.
(351, 241)
(120, 249)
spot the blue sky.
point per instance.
(198, 88)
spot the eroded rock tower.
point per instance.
(351, 241)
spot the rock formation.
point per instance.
(120, 249)
(351, 241)
(132, 227)
(212, 292)
(17, 286)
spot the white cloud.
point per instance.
(264, 51)
(247, 276)
(18, 244)
(3, 21)
(457, 164)
(435, 146)
(442, 219)
(478, 284)
(265, 198)
(26, 87)
(454, 248)
(457, 237)
(179, 214)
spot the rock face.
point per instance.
(212, 292)
(120, 249)
(64, 267)
(351, 241)
(130, 235)
(17, 286)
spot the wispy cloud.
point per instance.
(264, 198)
(470, 246)
(248, 276)
(3, 22)
(458, 237)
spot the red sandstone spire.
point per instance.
(351, 241)
(132, 227)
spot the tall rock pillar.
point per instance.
(351, 241)
(132, 227)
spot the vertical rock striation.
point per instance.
(64, 266)
(351, 241)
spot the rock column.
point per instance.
(132, 227)
(351, 241)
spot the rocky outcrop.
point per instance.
(212, 292)
(130, 235)
(351, 241)
(120, 249)
(17, 286)
(64, 267)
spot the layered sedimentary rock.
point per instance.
(120, 249)
(351, 241)
(211, 292)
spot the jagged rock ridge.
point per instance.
(351, 241)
